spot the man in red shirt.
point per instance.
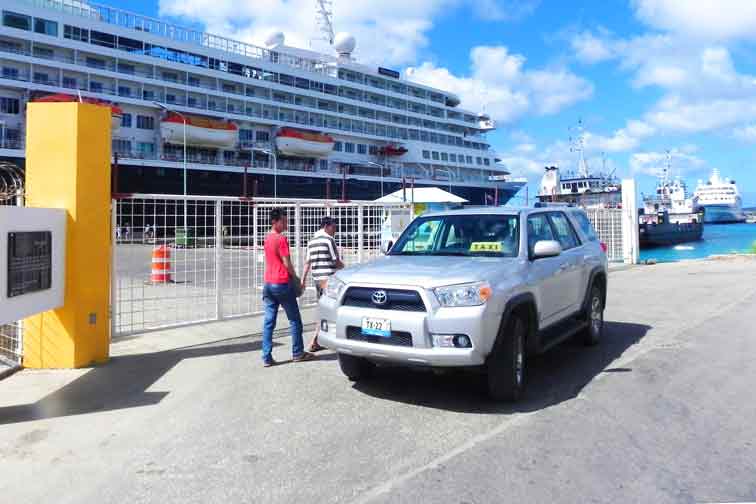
(279, 292)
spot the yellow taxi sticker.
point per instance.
(485, 247)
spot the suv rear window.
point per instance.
(585, 225)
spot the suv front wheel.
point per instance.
(506, 364)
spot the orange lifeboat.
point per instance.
(393, 150)
(66, 98)
(295, 142)
(200, 131)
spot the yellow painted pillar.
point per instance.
(68, 166)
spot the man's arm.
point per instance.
(334, 251)
(305, 272)
(286, 260)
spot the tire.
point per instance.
(355, 368)
(506, 364)
(594, 315)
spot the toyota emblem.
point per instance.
(380, 297)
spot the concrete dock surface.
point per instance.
(661, 411)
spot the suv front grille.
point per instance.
(397, 338)
(400, 300)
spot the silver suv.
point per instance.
(479, 288)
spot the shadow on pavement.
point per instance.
(558, 375)
(119, 384)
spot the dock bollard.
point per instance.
(161, 265)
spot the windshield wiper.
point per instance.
(452, 253)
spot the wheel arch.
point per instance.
(598, 276)
(522, 304)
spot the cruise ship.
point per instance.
(246, 120)
(720, 200)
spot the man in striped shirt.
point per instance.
(323, 260)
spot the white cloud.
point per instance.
(504, 10)
(651, 163)
(590, 48)
(705, 19)
(746, 133)
(500, 84)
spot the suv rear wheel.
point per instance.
(355, 368)
(594, 314)
(506, 364)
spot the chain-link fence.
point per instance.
(11, 194)
(608, 225)
(179, 261)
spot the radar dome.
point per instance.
(275, 39)
(344, 43)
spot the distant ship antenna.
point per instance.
(324, 19)
(578, 145)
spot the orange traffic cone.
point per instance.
(161, 265)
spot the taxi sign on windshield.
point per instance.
(485, 247)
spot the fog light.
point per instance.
(324, 325)
(443, 340)
(462, 341)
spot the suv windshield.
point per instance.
(464, 235)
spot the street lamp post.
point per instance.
(272, 155)
(183, 119)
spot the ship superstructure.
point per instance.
(720, 199)
(301, 123)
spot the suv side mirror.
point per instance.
(546, 248)
(386, 246)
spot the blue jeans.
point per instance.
(275, 295)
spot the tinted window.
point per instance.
(539, 229)
(585, 225)
(13, 20)
(564, 232)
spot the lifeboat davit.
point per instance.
(295, 142)
(393, 150)
(117, 111)
(200, 131)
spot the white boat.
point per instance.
(200, 131)
(295, 142)
(720, 199)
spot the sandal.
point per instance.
(306, 356)
(314, 348)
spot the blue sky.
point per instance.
(645, 76)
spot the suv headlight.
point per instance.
(334, 287)
(472, 294)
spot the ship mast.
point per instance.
(324, 19)
(578, 145)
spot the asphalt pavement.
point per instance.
(661, 411)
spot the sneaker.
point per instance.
(269, 363)
(306, 356)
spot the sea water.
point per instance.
(717, 239)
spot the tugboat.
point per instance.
(669, 217)
(582, 188)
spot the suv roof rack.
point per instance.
(546, 204)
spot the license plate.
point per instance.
(376, 327)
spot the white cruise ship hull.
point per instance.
(723, 214)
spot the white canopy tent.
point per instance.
(422, 195)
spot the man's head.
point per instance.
(328, 224)
(278, 220)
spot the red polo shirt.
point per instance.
(276, 247)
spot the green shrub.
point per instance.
(753, 248)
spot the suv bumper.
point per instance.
(475, 322)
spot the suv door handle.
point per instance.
(564, 266)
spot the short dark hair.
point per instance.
(277, 214)
(327, 221)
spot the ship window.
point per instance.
(148, 95)
(121, 146)
(146, 148)
(13, 20)
(170, 77)
(453, 158)
(170, 98)
(46, 27)
(95, 87)
(444, 156)
(262, 136)
(124, 91)
(41, 78)
(479, 160)
(95, 63)
(127, 69)
(338, 146)
(9, 105)
(145, 122)
(102, 39)
(426, 154)
(348, 147)
(361, 149)
(373, 150)
(469, 159)
(126, 120)
(434, 155)
(69, 82)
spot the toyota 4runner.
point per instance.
(479, 288)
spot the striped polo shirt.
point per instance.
(322, 255)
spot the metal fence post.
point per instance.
(219, 259)
(298, 235)
(113, 269)
(360, 232)
(255, 297)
